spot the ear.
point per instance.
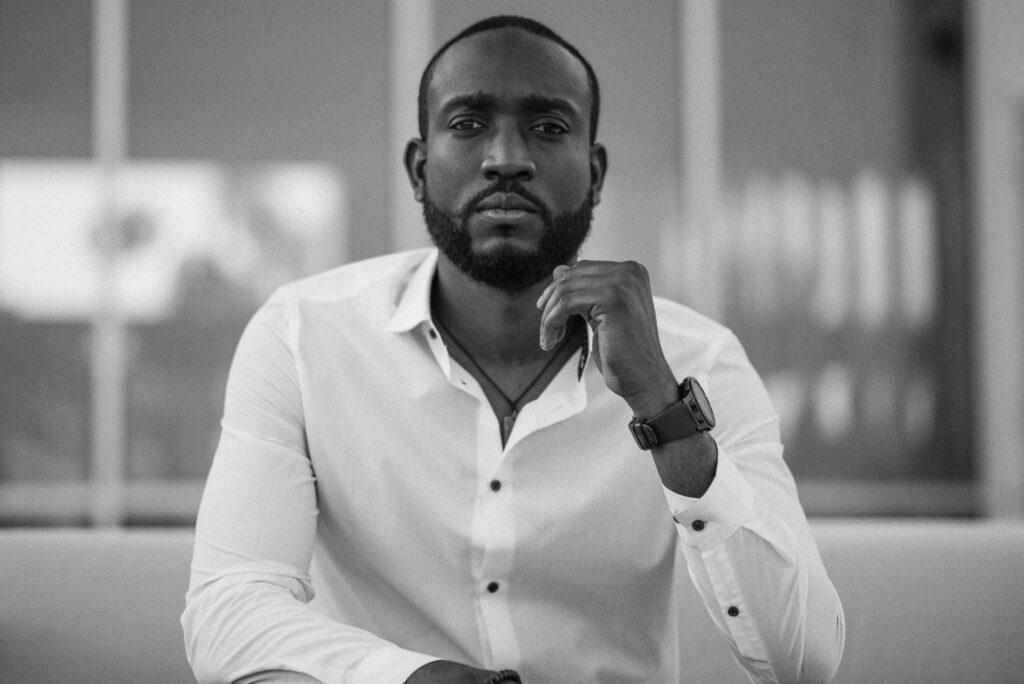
(598, 169)
(415, 166)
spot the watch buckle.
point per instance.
(643, 434)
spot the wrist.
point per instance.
(655, 398)
(688, 466)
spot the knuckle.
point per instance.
(633, 275)
(625, 276)
(636, 270)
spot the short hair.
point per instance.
(510, 21)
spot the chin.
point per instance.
(506, 248)
(506, 267)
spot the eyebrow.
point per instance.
(533, 103)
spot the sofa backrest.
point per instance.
(93, 606)
(928, 601)
(924, 601)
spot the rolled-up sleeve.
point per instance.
(246, 615)
(749, 549)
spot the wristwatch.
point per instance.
(692, 413)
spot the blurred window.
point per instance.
(845, 243)
(257, 144)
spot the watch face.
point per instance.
(705, 415)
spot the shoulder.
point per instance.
(697, 342)
(681, 323)
(379, 274)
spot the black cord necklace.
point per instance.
(509, 420)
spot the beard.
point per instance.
(508, 268)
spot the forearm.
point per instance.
(241, 625)
(246, 611)
(774, 604)
(687, 466)
(758, 572)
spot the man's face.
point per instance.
(507, 175)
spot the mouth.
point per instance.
(505, 208)
(504, 215)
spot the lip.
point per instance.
(505, 202)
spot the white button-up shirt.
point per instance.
(357, 459)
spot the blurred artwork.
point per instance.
(195, 247)
(834, 288)
(254, 228)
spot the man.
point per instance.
(454, 436)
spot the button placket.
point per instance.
(494, 536)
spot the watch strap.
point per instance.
(692, 413)
(675, 422)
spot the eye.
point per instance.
(551, 128)
(465, 124)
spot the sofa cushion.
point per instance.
(925, 601)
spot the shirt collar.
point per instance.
(414, 301)
(414, 306)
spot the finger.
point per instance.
(558, 273)
(565, 301)
(552, 320)
(552, 329)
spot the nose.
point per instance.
(508, 156)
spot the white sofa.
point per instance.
(925, 601)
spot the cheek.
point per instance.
(446, 179)
(572, 184)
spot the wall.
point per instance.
(998, 165)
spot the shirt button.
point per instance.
(433, 334)
(733, 611)
(495, 485)
(697, 525)
(492, 587)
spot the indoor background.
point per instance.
(839, 182)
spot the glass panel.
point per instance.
(46, 293)
(843, 240)
(44, 343)
(200, 260)
(835, 290)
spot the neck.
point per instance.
(496, 326)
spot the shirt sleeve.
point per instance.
(246, 615)
(748, 546)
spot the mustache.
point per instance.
(506, 186)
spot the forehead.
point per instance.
(509, 64)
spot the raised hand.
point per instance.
(615, 299)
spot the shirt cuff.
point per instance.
(727, 505)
